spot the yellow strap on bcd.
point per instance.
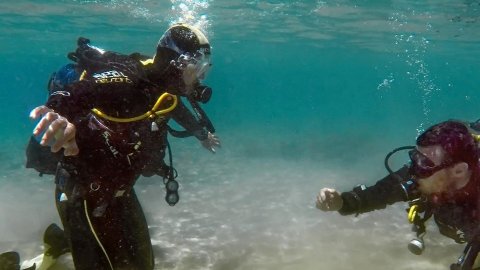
(476, 137)
(412, 213)
(151, 113)
(146, 62)
(83, 75)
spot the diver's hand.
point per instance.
(329, 199)
(211, 142)
(58, 131)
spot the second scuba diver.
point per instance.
(442, 180)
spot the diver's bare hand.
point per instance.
(329, 199)
(211, 142)
(58, 131)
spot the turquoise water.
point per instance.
(307, 94)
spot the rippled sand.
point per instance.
(241, 213)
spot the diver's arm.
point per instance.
(184, 117)
(63, 111)
(385, 192)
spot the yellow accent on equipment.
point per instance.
(412, 213)
(476, 137)
(95, 234)
(82, 76)
(146, 62)
(47, 260)
(150, 114)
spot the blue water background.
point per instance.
(306, 94)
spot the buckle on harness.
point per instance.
(94, 186)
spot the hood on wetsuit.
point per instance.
(183, 46)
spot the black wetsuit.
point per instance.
(457, 218)
(98, 207)
(385, 192)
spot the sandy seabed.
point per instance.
(239, 213)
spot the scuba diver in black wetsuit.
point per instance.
(112, 127)
(44, 161)
(442, 180)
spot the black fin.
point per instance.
(10, 261)
(33, 267)
(55, 238)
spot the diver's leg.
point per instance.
(103, 234)
(137, 232)
(85, 250)
(124, 234)
(55, 242)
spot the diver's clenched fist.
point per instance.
(329, 199)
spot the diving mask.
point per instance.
(422, 167)
(197, 64)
